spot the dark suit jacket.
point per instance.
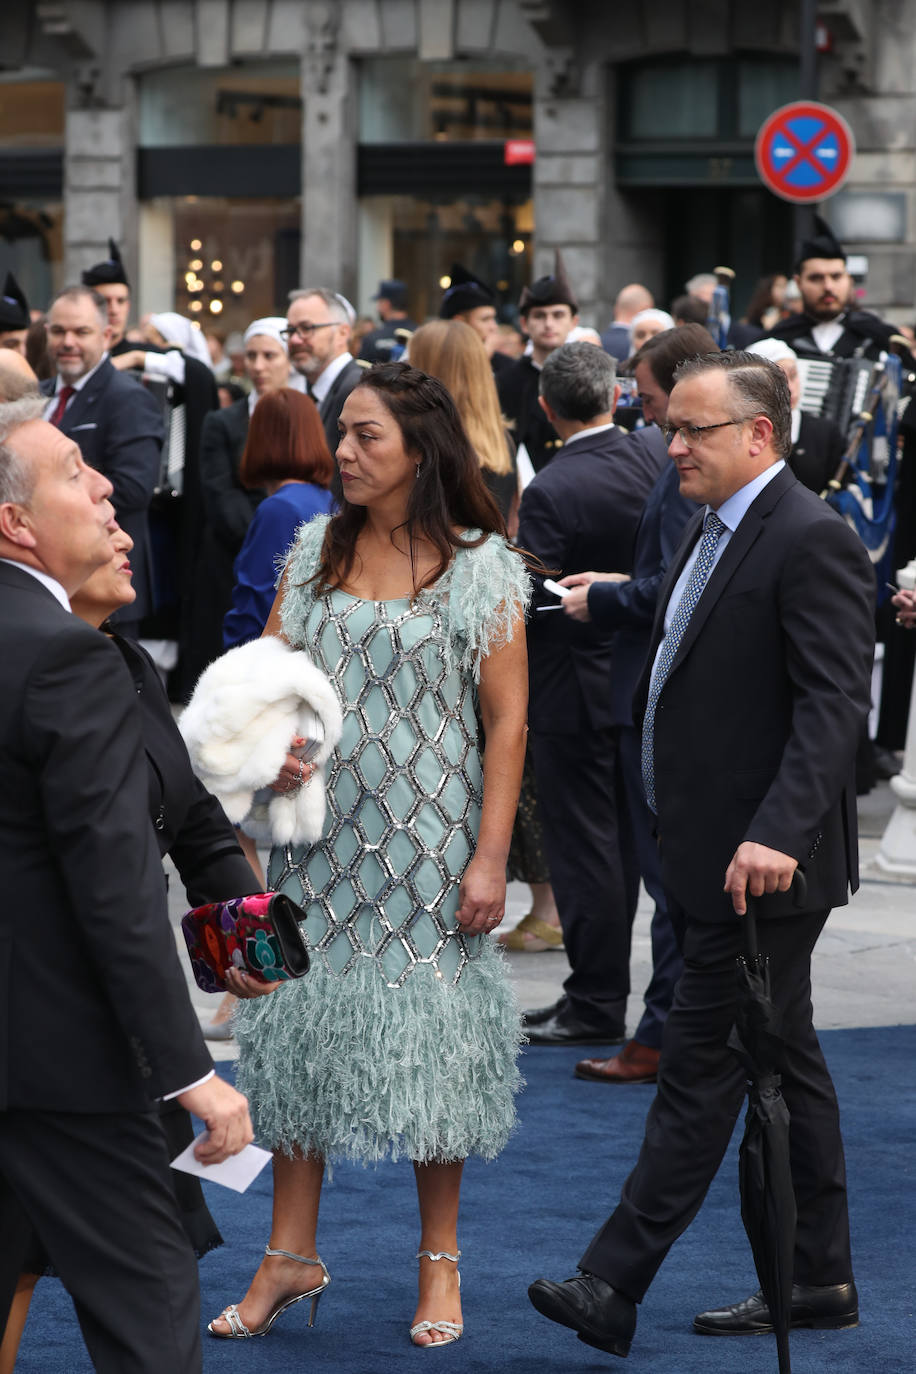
(629, 607)
(864, 335)
(757, 724)
(330, 408)
(87, 955)
(118, 426)
(816, 456)
(579, 512)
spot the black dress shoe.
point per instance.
(599, 1315)
(538, 1015)
(829, 1308)
(564, 1030)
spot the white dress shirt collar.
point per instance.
(322, 385)
(586, 433)
(733, 511)
(44, 578)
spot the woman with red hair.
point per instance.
(287, 456)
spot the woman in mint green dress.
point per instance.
(402, 1039)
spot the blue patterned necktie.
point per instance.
(699, 575)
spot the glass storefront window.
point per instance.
(32, 113)
(416, 241)
(403, 100)
(32, 117)
(258, 102)
(220, 261)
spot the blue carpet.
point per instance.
(532, 1213)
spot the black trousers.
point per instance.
(667, 964)
(701, 1090)
(578, 797)
(96, 1191)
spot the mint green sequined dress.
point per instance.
(403, 1037)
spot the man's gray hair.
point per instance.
(84, 293)
(757, 386)
(339, 308)
(577, 381)
(702, 281)
(17, 478)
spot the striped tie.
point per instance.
(699, 576)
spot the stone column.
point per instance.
(99, 188)
(329, 255)
(569, 137)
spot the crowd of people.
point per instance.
(580, 636)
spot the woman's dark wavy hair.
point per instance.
(449, 490)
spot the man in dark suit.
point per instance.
(627, 607)
(97, 1023)
(582, 508)
(318, 336)
(753, 699)
(114, 420)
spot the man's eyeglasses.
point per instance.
(303, 331)
(691, 435)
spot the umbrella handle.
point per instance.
(799, 890)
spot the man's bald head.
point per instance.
(16, 377)
(630, 300)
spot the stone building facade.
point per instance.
(642, 118)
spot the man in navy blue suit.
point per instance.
(626, 605)
(113, 419)
(582, 509)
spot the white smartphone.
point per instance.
(555, 588)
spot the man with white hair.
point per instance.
(319, 321)
(817, 443)
(98, 1025)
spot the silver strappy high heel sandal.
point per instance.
(238, 1331)
(450, 1330)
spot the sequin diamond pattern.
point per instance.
(404, 792)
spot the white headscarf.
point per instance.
(774, 350)
(661, 316)
(175, 329)
(271, 325)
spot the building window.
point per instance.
(258, 103)
(32, 115)
(674, 100)
(403, 100)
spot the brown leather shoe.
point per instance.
(635, 1063)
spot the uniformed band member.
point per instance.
(548, 311)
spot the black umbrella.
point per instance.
(764, 1169)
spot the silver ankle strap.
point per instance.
(303, 1259)
(440, 1254)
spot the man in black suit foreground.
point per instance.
(318, 337)
(87, 956)
(114, 420)
(753, 699)
(582, 509)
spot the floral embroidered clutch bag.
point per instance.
(259, 934)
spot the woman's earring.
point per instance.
(418, 469)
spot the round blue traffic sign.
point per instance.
(804, 151)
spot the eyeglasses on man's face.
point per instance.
(691, 435)
(305, 331)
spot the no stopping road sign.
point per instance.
(804, 151)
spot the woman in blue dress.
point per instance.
(287, 456)
(402, 1039)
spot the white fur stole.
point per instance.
(238, 725)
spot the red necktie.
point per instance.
(63, 397)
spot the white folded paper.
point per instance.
(238, 1171)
